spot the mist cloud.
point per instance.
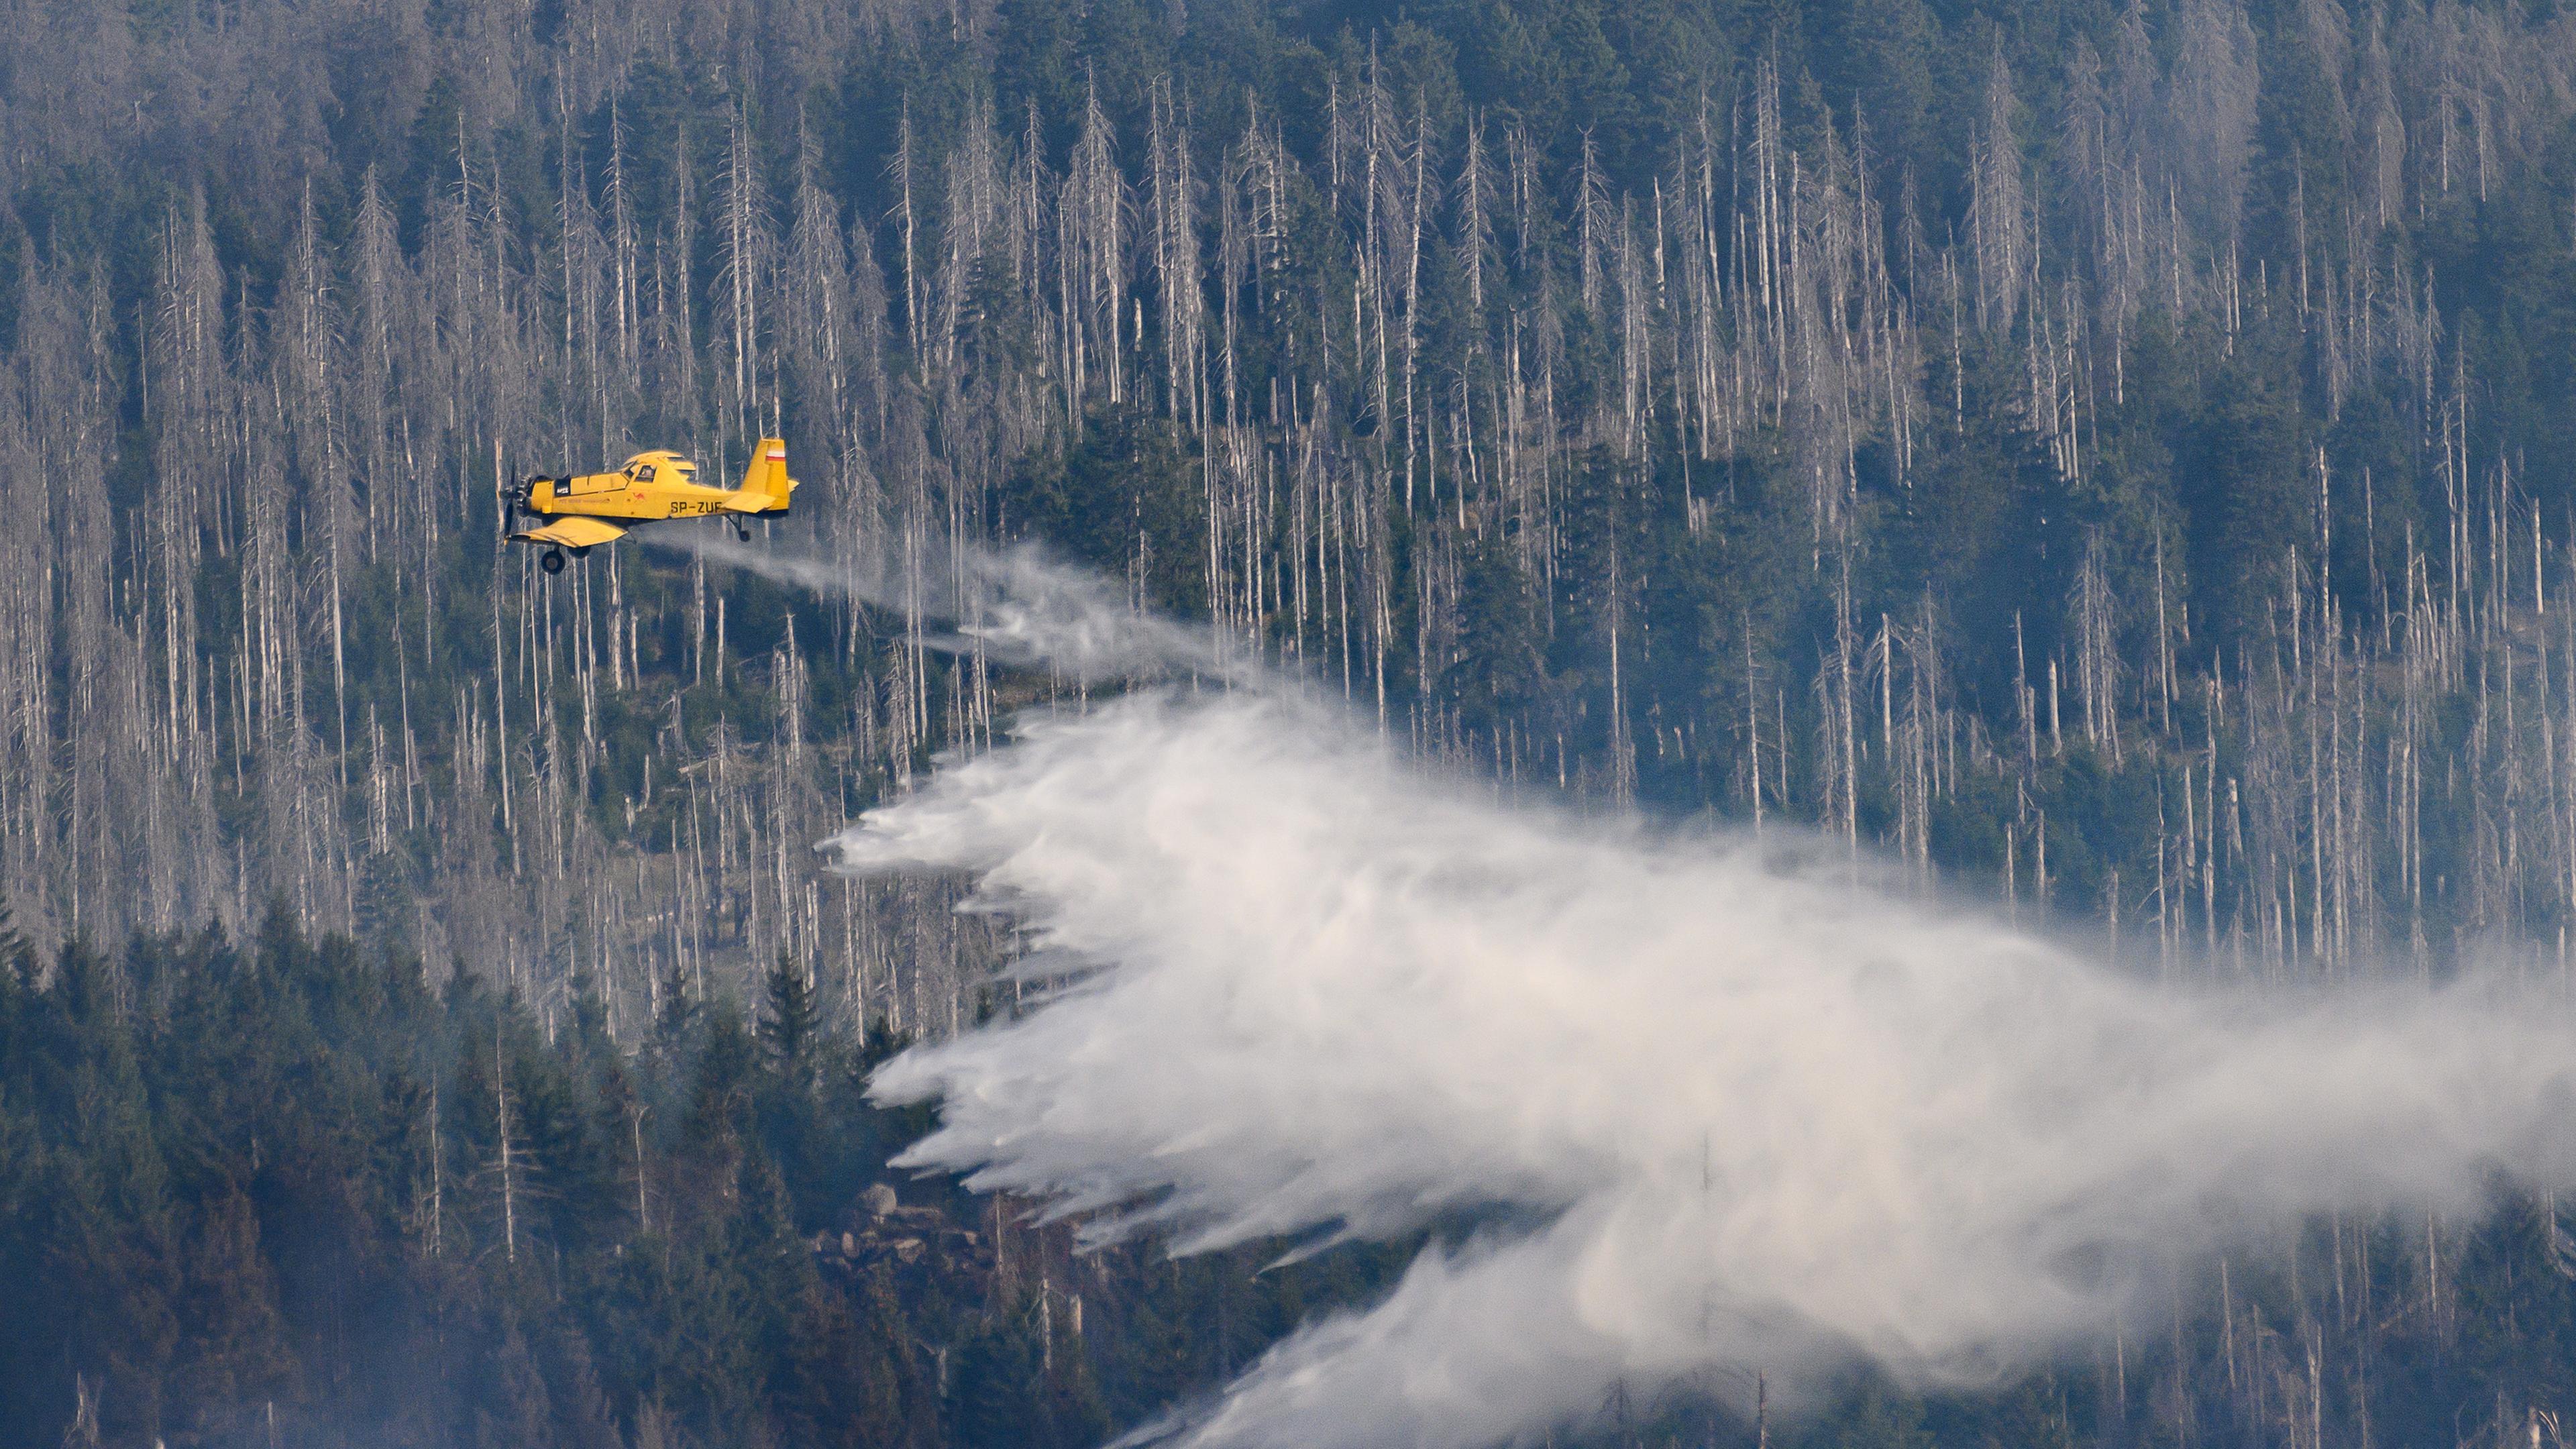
(1019, 606)
(1748, 1115)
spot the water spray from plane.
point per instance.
(1720, 1109)
(1023, 609)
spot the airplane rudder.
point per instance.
(769, 466)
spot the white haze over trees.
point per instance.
(1693, 1106)
(1013, 607)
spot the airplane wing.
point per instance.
(572, 532)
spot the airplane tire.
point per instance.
(552, 560)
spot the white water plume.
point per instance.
(1721, 1110)
(1023, 609)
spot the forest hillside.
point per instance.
(2114, 462)
(2111, 459)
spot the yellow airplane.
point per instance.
(583, 512)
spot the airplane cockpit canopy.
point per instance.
(644, 467)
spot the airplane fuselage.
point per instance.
(581, 512)
(651, 486)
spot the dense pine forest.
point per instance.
(2115, 461)
(279, 1191)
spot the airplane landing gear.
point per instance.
(552, 561)
(742, 532)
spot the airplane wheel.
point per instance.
(551, 561)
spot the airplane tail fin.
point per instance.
(766, 488)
